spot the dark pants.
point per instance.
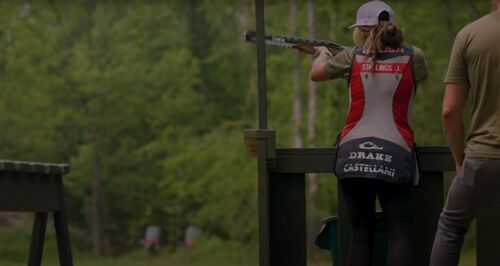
(474, 188)
(397, 202)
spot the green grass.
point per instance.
(136, 260)
(14, 248)
(15, 243)
(154, 261)
(468, 258)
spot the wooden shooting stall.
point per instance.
(282, 220)
(37, 187)
(281, 191)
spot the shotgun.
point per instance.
(302, 44)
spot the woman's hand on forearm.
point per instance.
(318, 72)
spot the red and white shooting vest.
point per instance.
(377, 139)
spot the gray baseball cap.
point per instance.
(372, 13)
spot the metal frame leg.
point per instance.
(37, 239)
(62, 235)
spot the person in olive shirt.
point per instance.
(474, 70)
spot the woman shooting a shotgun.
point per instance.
(376, 155)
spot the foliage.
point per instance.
(161, 92)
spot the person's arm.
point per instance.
(419, 65)
(455, 97)
(328, 66)
(318, 72)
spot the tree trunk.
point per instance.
(334, 19)
(472, 8)
(96, 197)
(311, 139)
(335, 102)
(297, 101)
(449, 23)
(96, 219)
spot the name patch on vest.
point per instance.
(383, 67)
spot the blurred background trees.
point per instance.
(147, 102)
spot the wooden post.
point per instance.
(487, 230)
(287, 221)
(429, 202)
(344, 229)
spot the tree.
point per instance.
(311, 135)
(297, 100)
(147, 102)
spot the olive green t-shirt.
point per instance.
(475, 60)
(340, 65)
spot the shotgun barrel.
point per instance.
(292, 42)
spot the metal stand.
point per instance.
(38, 188)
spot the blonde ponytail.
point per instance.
(381, 37)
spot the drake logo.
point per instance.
(369, 146)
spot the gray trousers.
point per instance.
(475, 187)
